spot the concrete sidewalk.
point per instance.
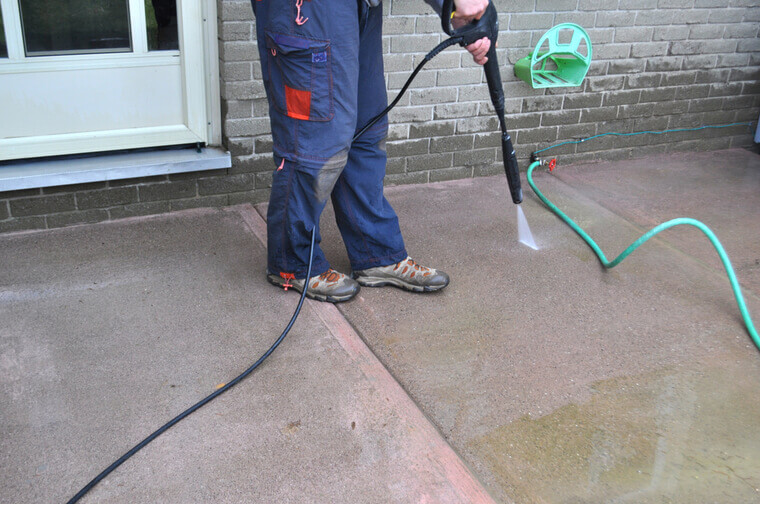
(110, 330)
(552, 379)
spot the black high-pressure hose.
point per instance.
(429, 56)
(210, 397)
(440, 47)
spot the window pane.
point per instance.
(161, 19)
(75, 26)
(3, 47)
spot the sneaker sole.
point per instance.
(377, 282)
(315, 296)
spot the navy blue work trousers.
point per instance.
(322, 66)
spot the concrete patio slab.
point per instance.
(110, 330)
(557, 380)
(553, 379)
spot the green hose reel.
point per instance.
(558, 60)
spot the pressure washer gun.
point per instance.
(488, 26)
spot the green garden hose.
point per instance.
(651, 233)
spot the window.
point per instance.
(3, 45)
(75, 26)
(161, 22)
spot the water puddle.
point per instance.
(523, 230)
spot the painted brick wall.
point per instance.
(658, 64)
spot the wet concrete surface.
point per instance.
(658, 437)
(110, 330)
(559, 381)
(719, 188)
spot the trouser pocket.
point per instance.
(300, 76)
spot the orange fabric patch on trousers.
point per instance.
(298, 103)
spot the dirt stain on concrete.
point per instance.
(668, 436)
(292, 427)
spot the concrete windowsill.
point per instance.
(26, 174)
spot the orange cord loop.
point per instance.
(300, 20)
(288, 278)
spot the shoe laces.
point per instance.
(329, 277)
(416, 268)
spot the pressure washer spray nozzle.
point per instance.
(488, 26)
(511, 168)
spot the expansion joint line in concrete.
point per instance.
(426, 439)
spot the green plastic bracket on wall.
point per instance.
(558, 59)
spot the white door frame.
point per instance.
(198, 60)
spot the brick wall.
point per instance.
(658, 64)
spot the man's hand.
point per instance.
(466, 11)
(470, 9)
(479, 49)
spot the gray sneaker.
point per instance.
(332, 286)
(405, 274)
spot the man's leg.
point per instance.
(367, 221)
(309, 58)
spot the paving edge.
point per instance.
(426, 438)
